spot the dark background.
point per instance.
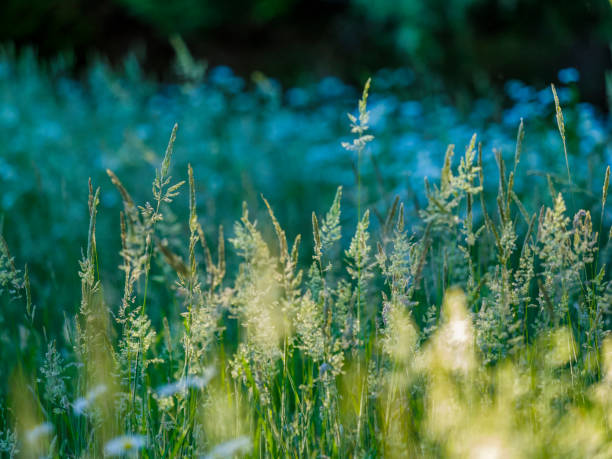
(466, 44)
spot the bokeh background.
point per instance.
(466, 43)
(260, 90)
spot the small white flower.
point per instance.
(125, 444)
(188, 382)
(39, 431)
(82, 403)
(230, 448)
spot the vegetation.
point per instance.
(465, 43)
(475, 326)
(58, 131)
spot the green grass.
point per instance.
(244, 138)
(480, 329)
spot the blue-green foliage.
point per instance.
(471, 327)
(245, 138)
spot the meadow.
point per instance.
(418, 279)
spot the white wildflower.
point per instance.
(124, 445)
(82, 403)
(230, 448)
(39, 431)
(188, 382)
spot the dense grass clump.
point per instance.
(479, 329)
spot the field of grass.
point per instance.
(469, 318)
(244, 138)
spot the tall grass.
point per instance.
(476, 330)
(113, 118)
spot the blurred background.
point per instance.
(260, 90)
(466, 43)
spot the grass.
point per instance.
(120, 119)
(467, 327)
